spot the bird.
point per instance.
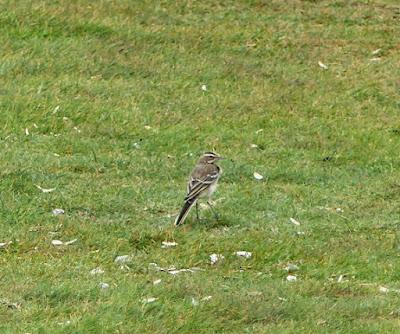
(202, 182)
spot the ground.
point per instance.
(110, 103)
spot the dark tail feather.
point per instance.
(184, 212)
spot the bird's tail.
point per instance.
(184, 212)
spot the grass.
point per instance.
(110, 93)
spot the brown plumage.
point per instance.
(202, 182)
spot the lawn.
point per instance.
(109, 104)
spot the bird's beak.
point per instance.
(221, 158)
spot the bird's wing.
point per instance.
(200, 181)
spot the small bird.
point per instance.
(202, 183)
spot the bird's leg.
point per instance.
(213, 210)
(197, 211)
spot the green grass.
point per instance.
(87, 79)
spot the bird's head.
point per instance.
(209, 158)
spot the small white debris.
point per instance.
(157, 281)
(291, 278)
(214, 258)
(104, 285)
(5, 244)
(65, 119)
(45, 190)
(149, 300)
(195, 302)
(122, 259)
(35, 125)
(254, 146)
(340, 279)
(244, 254)
(60, 243)
(168, 244)
(294, 221)
(291, 267)
(339, 210)
(258, 176)
(282, 299)
(96, 271)
(26, 131)
(57, 212)
(300, 233)
(76, 129)
(57, 243)
(259, 130)
(147, 127)
(375, 59)
(383, 289)
(56, 154)
(322, 65)
(174, 271)
(204, 88)
(375, 52)
(57, 108)
(136, 145)
(207, 298)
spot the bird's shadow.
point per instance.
(209, 222)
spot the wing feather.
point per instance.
(197, 186)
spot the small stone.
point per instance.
(244, 254)
(214, 258)
(149, 300)
(294, 221)
(322, 65)
(104, 285)
(57, 212)
(168, 244)
(291, 278)
(258, 176)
